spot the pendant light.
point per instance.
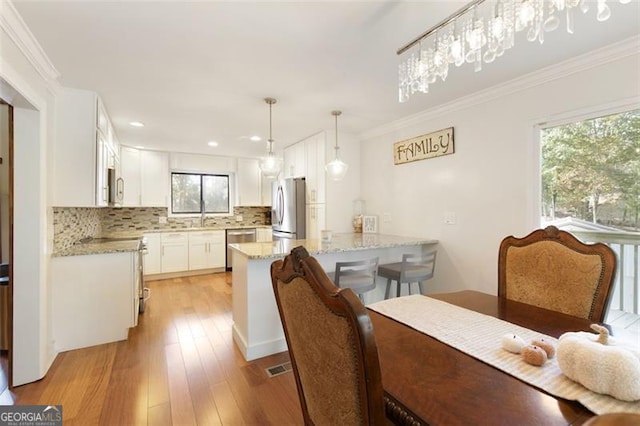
(336, 168)
(270, 165)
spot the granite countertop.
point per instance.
(99, 247)
(129, 240)
(339, 243)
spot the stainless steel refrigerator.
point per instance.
(288, 209)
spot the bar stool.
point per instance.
(359, 275)
(413, 268)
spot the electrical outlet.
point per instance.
(239, 218)
(386, 217)
(162, 219)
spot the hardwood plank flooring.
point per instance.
(178, 367)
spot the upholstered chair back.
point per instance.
(331, 345)
(551, 269)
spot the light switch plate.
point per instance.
(450, 218)
(239, 218)
(162, 219)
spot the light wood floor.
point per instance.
(179, 366)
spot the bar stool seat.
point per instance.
(414, 268)
(359, 275)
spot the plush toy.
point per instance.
(512, 343)
(601, 364)
(534, 355)
(546, 345)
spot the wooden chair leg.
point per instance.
(398, 288)
(421, 289)
(386, 293)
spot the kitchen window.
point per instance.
(189, 190)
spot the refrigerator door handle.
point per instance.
(280, 205)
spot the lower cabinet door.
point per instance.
(175, 257)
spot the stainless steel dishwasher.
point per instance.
(235, 236)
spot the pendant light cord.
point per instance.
(336, 114)
(270, 101)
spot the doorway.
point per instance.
(6, 250)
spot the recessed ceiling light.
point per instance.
(212, 143)
(136, 124)
(255, 138)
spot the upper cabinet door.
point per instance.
(85, 147)
(130, 173)
(154, 179)
(75, 149)
(249, 182)
(315, 150)
(295, 160)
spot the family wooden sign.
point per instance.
(431, 145)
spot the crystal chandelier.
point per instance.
(480, 32)
(336, 168)
(270, 165)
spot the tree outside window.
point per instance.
(189, 190)
(591, 171)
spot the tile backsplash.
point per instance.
(74, 223)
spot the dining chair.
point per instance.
(331, 344)
(552, 269)
(359, 275)
(414, 268)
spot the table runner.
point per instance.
(480, 336)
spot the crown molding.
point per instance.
(612, 52)
(15, 27)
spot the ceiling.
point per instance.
(194, 72)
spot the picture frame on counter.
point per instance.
(369, 224)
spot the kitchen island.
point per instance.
(257, 329)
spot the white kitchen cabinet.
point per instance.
(130, 173)
(315, 147)
(102, 159)
(295, 160)
(146, 177)
(316, 220)
(264, 234)
(249, 182)
(289, 159)
(154, 178)
(153, 257)
(265, 193)
(94, 299)
(174, 251)
(206, 250)
(80, 159)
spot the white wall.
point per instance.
(341, 194)
(26, 83)
(491, 182)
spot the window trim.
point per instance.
(534, 160)
(230, 204)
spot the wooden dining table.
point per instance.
(428, 382)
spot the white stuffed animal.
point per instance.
(601, 364)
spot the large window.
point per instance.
(190, 190)
(591, 171)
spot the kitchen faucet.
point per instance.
(202, 213)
